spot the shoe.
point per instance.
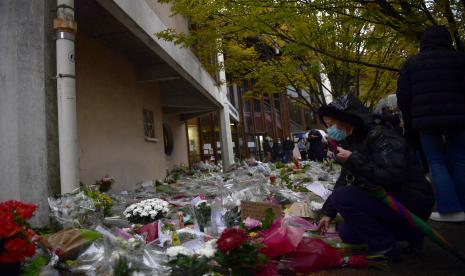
(448, 217)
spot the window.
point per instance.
(168, 139)
(149, 126)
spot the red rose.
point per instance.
(231, 238)
(10, 207)
(15, 245)
(8, 228)
(15, 250)
(25, 211)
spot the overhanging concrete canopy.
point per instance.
(182, 92)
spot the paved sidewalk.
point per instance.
(432, 261)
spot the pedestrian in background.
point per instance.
(268, 148)
(288, 147)
(302, 146)
(431, 96)
(278, 150)
(316, 150)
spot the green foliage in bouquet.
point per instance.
(202, 213)
(238, 253)
(101, 200)
(189, 265)
(163, 188)
(122, 267)
(279, 165)
(33, 268)
(232, 217)
(268, 219)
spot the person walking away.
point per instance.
(301, 145)
(278, 151)
(268, 148)
(316, 151)
(431, 96)
(288, 147)
(371, 155)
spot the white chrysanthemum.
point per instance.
(147, 208)
(174, 251)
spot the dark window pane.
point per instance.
(149, 127)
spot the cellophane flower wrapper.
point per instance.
(101, 256)
(217, 217)
(314, 254)
(281, 238)
(201, 212)
(188, 234)
(74, 209)
(149, 231)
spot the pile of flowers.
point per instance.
(16, 237)
(147, 211)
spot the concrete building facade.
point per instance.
(134, 95)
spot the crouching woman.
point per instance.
(371, 154)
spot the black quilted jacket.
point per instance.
(431, 86)
(380, 156)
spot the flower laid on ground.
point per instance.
(202, 212)
(251, 223)
(105, 183)
(239, 253)
(146, 211)
(183, 261)
(73, 208)
(231, 238)
(16, 239)
(101, 200)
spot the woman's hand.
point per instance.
(342, 155)
(324, 224)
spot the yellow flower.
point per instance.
(253, 234)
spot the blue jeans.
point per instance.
(446, 159)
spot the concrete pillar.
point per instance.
(227, 153)
(28, 133)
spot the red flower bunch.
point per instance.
(15, 235)
(105, 183)
(231, 238)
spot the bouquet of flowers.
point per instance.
(202, 212)
(16, 237)
(73, 209)
(105, 183)
(146, 211)
(238, 253)
(101, 200)
(183, 261)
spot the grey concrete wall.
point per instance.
(28, 150)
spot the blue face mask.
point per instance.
(336, 133)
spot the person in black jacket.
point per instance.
(431, 96)
(288, 147)
(371, 154)
(316, 150)
(268, 148)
